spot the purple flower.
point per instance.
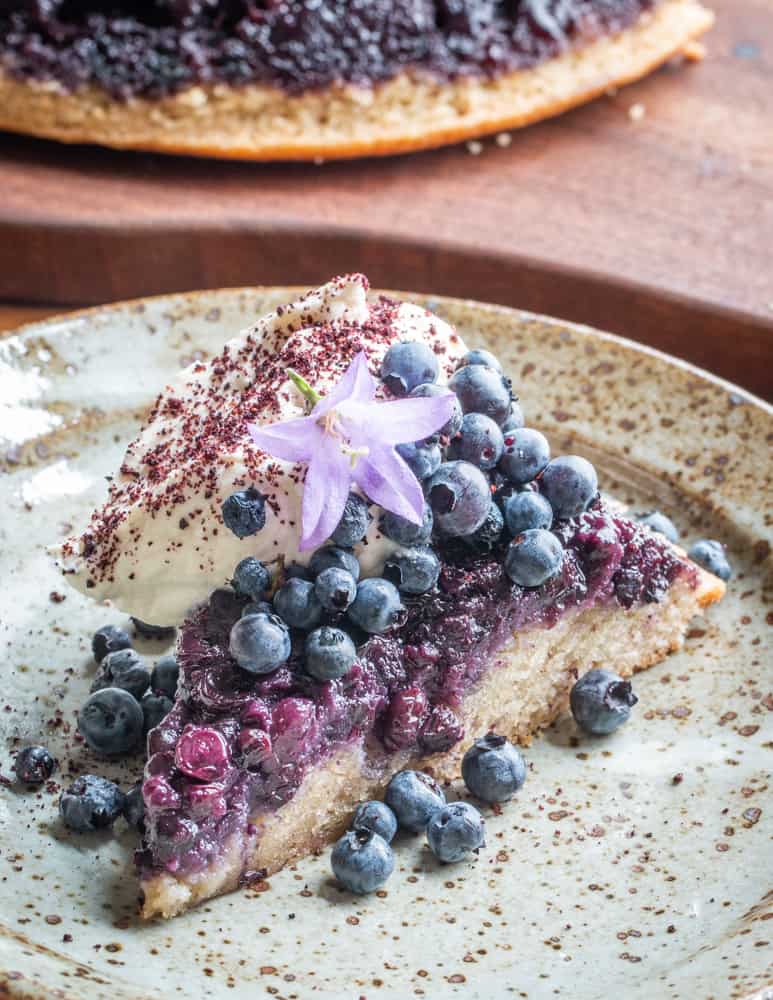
(350, 437)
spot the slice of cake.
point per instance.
(369, 579)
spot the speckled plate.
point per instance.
(636, 867)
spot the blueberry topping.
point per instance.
(711, 556)
(570, 483)
(533, 558)
(123, 669)
(362, 861)
(333, 555)
(111, 721)
(202, 753)
(408, 364)
(455, 831)
(488, 534)
(260, 643)
(481, 357)
(459, 495)
(525, 455)
(354, 522)
(296, 602)
(514, 420)
(493, 769)
(34, 765)
(482, 390)
(377, 605)
(404, 717)
(661, 524)
(244, 512)
(257, 608)
(405, 532)
(134, 807)
(421, 459)
(526, 511)
(163, 679)
(335, 589)
(440, 730)
(414, 797)
(251, 578)
(601, 701)
(377, 817)
(91, 803)
(108, 639)
(454, 422)
(480, 441)
(413, 570)
(330, 653)
(155, 708)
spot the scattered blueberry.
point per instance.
(533, 558)
(108, 639)
(413, 797)
(260, 643)
(480, 441)
(459, 495)
(454, 831)
(111, 721)
(251, 578)
(244, 512)
(148, 631)
(601, 701)
(134, 807)
(257, 608)
(454, 422)
(514, 420)
(479, 356)
(335, 589)
(377, 817)
(408, 364)
(482, 390)
(525, 455)
(377, 605)
(163, 678)
(296, 602)
(91, 803)
(488, 534)
(295, 571)
(125, 669)
(526, 511)
(332, 555)
(354, 522)
(155, 708)
(413, 570)
(570, 483)
(711, 556)
(493, 769)
(330, 653)
(362, 861)
(405, 532)
(34, 765)
(421, 459)
(661, 524)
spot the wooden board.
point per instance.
(657, 227)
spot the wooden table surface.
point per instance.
(656, 224)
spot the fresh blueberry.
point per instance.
(488, 534)
(525, 455)
(111, 721)
(414, 797)
(377, 605)
(91, 803)
(414, 570)
(570, 483)
(601, 701)
(34, 765)
(405, 532)
(482, 390)
(421, 459)
(260, 643)
(526, 511)
(354, 522)
(257, 608)
(251, 578)
(155, 708)
(295, 571)
(362, 861)
(478, 356)
(296, 602)
(493, 769)
(335, 589)
(148, 631)
(514, 419)
(163, 678)
(377, 817)
(533, 558)
(661, 524)
(123, 669)
(134, 807)
(408, 364)
(330, 653)
(711, 556)
(108, 639)
(454, 422)
(244, 512)
(459, 495)
(480, 441)
(332, 555)
(454, 831)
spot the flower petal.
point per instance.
(357, 384)
(325, 491)
(294, 440)
(386, 480)
(397, 421)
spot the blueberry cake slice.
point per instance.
(331, 79)
(375, 561)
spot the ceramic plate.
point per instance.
(638, 866)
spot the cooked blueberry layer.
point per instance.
(160, 47)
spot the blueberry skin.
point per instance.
(111, 721)
(408, 364)
(454, 422)
(108, 639)
(515, 419)
(91, 803)
(134, 807)
(488, 534)
(335, 589)
(257, 608)
(405, 532)
(525, 455)
(251, 578)
(459, 495)
(296, 602)
(125, 669)
(148, 631)
(333, 555)
(480, 442)
(569, 483)
(455, 831)
(163, 677)
(533, 558)
(34, 765)
(377, 817)
(421, 459)
(330, 653)
(711, 556)
(601, 701)
(362, 861)
(482, 390)
(260, 643)
(376, 606)
(354, 522)
(413, 570)
(526, 511)
(479, 356)
(155, 708)
(414, 797)
(244, 512)
(493, 769)
(660, 524)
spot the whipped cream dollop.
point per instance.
(158, 546)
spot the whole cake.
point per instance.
(273, 79)
(375, 561)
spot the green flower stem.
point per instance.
(303, 387)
